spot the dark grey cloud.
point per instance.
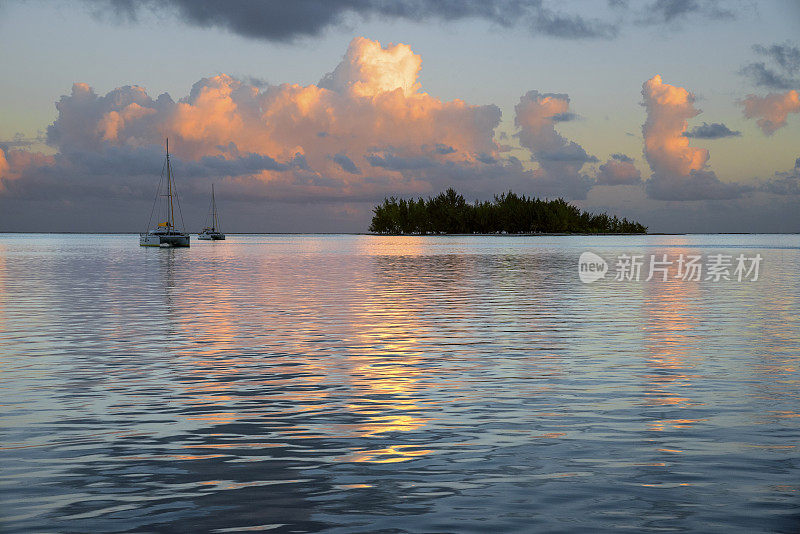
(781, 70)
(346, 163)
(784, 183)
(120, 171)
(676, 11)
(285, 21)
(553, 24)
(399, 163)
(565, 117)
(715, 130)
(247, 164)
(299, 161)
(699, 185)
(569, 152)
(622, 157)
(443, 149)
(763, 76)
(785, 55)
(560, 160)
(255, 81)
(618, 170)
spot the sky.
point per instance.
(681, 114)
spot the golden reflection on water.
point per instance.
(385, 363)
(671, 311)
(386, 455)
(380, 367)
(3, 291)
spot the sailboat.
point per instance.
(165, 234)
(212, 232)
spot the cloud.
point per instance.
(618, 170)
(369, 69)
(443, 149)
(675, 11)
(286, 21)
(85, 120)
(786, 55)
(122, 171)
(761, 75)
(565, 117)
(784, 71)
(679, 171)
(784, 183)
(560, 160)
(15, 163)
(19, 141)
(772, 110)
(715, 130)
(399, 163)
(246, 164)
(698, 185)
(381, 135)
(346, 163)
(364, 131)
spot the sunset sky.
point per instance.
(681, 114)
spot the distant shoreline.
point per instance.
(428, 235)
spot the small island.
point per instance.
(449, 213)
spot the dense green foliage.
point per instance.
(449, 213)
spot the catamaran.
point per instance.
(165, 234)
(212, 232)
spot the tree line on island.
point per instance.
(449, 213)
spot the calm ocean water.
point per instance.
(396, 384)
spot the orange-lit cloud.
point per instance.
(14, 163)
(366, 129)
(668, 109)
(772, 110)
(679, 171)
(4, 166)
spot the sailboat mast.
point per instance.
(170, 210)
(213, 209)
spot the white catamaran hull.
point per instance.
(161, 240)
(211, 236)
